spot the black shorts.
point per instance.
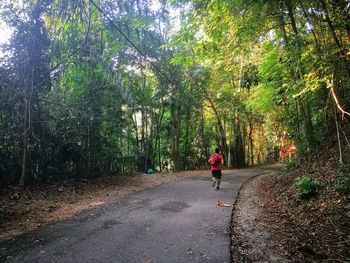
(216, 173)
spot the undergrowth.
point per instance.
(307, 187)
(342, 185)
(291, 163)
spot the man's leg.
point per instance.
(213, 178)
(214, 181)
(218, 180)
(218, 183)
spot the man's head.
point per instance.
(217, 150)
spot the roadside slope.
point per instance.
(302, 215)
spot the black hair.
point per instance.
(217, 150)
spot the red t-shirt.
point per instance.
(217, 167)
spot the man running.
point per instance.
(215, 161)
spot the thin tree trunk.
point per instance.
(239, 148)
(175, 135)
(128, 142)
(251, 127)
(298, 75)
(187, 134)
(229, 163)
(204, 139)
(310, 22)
(282, 25)
(160, 155)
(291, 16)
(158, 123)
(308, 126)
(187, 146)
(222, 132)
(330, 24)
(145, 138)
(25, 144)
(143, 128)
(26, 127)
(134, 120)
(339, 142)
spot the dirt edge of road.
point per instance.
(29, 208)
(250, 237)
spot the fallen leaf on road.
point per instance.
(222, 203)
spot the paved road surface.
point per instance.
(175, 222)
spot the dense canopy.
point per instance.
(93, 87)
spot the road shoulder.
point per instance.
(27, 209)
(251, 239)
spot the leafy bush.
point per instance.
(343, 183)
(292, 163)
(307, 187)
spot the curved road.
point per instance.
(175, 222)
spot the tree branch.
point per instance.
(338, 104)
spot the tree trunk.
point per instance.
(229, 157)
(251, 146)
(158, 118)
(330, 25)
(187, 135)
(239, 147)
(291, 16)
(222, 132)
(205, 143)
(308, 126)
(175, 136)
(25, 142)
(281, 24)
(298, 75)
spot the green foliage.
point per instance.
(307, 187)
(342, 185)
(292, 163)
(78, 100)
(85, 122)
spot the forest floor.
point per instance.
(29, 208)
(271, 224)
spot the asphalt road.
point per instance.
(175, 222)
